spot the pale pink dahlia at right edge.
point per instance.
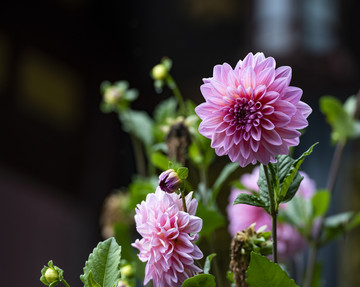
(251, 113)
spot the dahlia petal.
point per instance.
(298, 122)
(195, 224)
(221, 127)
(272, 137)
(288, 133)
(234, 153)
(212, 122)
(219, 87)
(267, 110)
(231, 130)
(259, 92)
(237, 137)
(228, 143)
(258, 58)
(248, 78)
(284, 72)
(217, 140)
(248, 61)
(267, 63)
(265, 77)
(217, 71)
(232, 93)
(256, 133)
(267, 124)
(278, 85)
(285, 107)
(269, 97)
(292, 94)
(232, 79)
(245, 149)
(254, 145)
(280, 119)
(304, 109)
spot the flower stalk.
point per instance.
(273, 213)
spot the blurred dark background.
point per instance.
(60, 156)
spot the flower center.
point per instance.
(244, 112)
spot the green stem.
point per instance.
(65, 283)
(175, 89)
(273, 212)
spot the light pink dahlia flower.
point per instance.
(242, 216)
(251, 113)
(168, 238)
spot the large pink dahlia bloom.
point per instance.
(242, 216)
(168, 238)
(251, 113)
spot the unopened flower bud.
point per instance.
(51, 275)
(159, 72)
(169, 181)
(112, 95)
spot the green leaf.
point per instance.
(201, 280)
(182, 172)
(224, 174)
(160, 160)
(341, 121)
(337, 225)
(91, 280)
(265, 273)
(249, 199)
(291, 181)
(212, 219)
(139, 124)
(263, 187)
(320, 202)
(104, 262)
(207, 264)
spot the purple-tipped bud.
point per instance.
(169, 181)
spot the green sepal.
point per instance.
(59, 271)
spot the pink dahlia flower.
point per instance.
(168, 238)
(242, 216)
(250, 112)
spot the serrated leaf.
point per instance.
(104, 262)
(249, 199)
(223, 176)
(201, 280)
(291, 177)
(320, 202)
(265, 273)
(207, 264)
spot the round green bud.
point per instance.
(159, 72)
(112, 95)
(127, 271)
(51, 275)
